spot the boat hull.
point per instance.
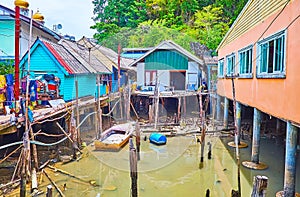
(112, 139)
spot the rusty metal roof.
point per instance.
(85, 57)
(65, 58)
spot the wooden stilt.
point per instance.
(179, 109)
(23, 186)
(236, 137)
(121, 106)
(136, 114)
(156, 108)
(209, 150)
(100, 121)
(128, 100)
(150, 114)
(96, 121)
(34, 150)
(34, 182)
(138, 139)
(49, 191)
(77, 113)
(53, 183)
(133, 168)
(260, 184)
(184, 106)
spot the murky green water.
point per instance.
(170, 170)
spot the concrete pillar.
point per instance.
(290, 160)
(238, 111)
(226, 108)
(256, 136)
(218, 108)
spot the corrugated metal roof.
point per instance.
(253, 13)
(97, 53)
(66, 59)
(170, 45)
(85, 57)
(108, 53)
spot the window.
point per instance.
(221, 68)
(230, 64)
(150, 77)
(245, 62)
(272, 57)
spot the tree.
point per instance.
(123, 13)
(211, 25)
(6, 67)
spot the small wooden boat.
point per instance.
(114, 138)
(158, 139)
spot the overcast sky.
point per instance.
(73, 15)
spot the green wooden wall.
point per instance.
(166, 60)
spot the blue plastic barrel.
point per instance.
(158, 139)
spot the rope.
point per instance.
(35, 142)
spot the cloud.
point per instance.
(75, 16)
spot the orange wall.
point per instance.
(277, 97)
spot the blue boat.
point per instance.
(158, 139)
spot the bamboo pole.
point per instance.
(136, 114)
(64, 132)
(18, 166)
(91, 182)
(7, 156)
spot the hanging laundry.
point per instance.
(2, 92)
(33, 90)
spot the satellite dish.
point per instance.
(59, 26)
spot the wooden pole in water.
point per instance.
(121, 106)
(96, 120)
(236, 138)
(34, 150)
(184, 106)
(49, 191)
(179, 109)
(133, 168)
(129, 100)
(34, 183)
(99, 112)
(156, 96)
(53, 183)
(138, 139)
(77, 112)
(202, 141)
(260, 184)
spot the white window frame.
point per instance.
(221, 68)
(230, 59)
(243, 64)
(272, 40)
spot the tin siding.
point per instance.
(41, 63)
(7, 39)
(86, 86)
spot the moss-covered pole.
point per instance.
(290, 160)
